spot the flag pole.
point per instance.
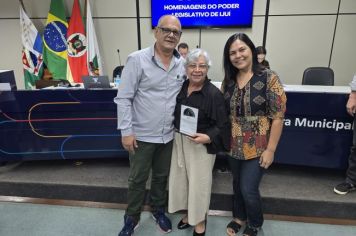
(85, 8)
(23, 6)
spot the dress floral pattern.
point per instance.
(252, 110)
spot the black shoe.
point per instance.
(344, 188)
(183, 225)
(250, 231)
(163, 222)
(200, 234)
(233, 226)
(129, 226)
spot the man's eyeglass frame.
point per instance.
(168, 31)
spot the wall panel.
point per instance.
(214, 42)
(343, 61)
(299, 34)
(297, 42)
(145, 8)
(286, 7)
(348, 6)
(113, 34)
(11, 47)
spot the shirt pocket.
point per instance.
(177, 81)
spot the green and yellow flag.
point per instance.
(55, 42)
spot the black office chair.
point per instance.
(117, 71)
(318, 76)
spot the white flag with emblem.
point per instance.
(32, 50)
(95, 66)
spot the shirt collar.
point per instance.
(204, 90)
(153, 53)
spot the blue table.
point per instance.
(318, 130)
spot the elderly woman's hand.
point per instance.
(200, 138)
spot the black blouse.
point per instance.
(212, 116)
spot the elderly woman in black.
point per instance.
(256, 103)
(194, 152)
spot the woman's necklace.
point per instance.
(243, 79)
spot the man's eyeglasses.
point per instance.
(199, 66)
(168, 31)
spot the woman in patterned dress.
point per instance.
(255, 98)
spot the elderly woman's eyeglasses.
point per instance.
(199, 66)
(167, 31)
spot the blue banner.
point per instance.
(78, 124)
(205, 13)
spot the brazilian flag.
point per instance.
(55, 42)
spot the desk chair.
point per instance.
(117, 71)
(318, 76)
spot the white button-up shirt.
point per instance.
(146, 96)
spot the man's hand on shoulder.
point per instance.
(129, 143)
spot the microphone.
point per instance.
(118, 70)
(118, 52)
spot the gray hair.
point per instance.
(194, 55)
(159, 24)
